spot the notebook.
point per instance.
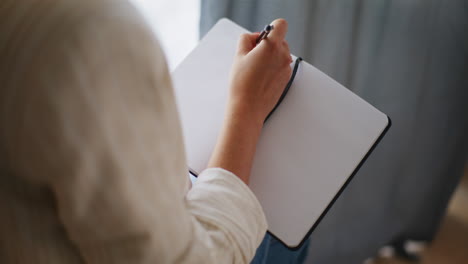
(309, 149)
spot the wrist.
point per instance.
(236, 144)
(243, 116)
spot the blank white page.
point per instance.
(308, 148)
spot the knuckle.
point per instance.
(287, 57)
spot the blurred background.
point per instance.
(409, 58)
(176, 24)
(451, 241)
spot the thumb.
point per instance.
(247, 42)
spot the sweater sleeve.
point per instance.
(95, 121)
(228, 210)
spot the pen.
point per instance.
(264, 33)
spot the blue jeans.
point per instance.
(271, 251)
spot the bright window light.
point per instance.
(175, 23)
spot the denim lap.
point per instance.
(271, 251)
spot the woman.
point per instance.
(92, 160)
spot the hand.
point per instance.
(258, 77)
(259, 73)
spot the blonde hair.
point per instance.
(54, 48)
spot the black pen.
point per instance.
(264, 33)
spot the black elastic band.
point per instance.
(286, 89)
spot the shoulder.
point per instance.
(43, 27)
(40, 38)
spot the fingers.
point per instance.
(279, 31)
(247, 42)
(277, 36)
(286, 47)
